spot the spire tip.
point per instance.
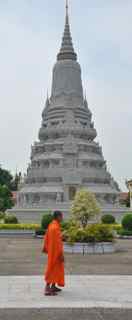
(67, 51)
(66, 4)
(67, 8)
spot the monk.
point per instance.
(53, 247)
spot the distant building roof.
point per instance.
(14, 195)
(123, 195)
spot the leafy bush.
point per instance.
(127, 222)
(2, 215)
(46, 220)
(116, 227)
(21, 226)
(92, 233)
(67, 224)
(5, 178)
(6, 201)
(103, 233)
(108, 219)
(84, 207)
(125, 232)
(10, 219)
(39, 232)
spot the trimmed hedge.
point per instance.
(127, 222)
(46, 220)
(116, 227)
(10, 219)
(108, 219)
(32, 226)
(2, 215)
(125, 232)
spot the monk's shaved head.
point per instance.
(57, 215)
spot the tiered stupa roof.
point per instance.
(66, 157)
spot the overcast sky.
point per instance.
(30, 36)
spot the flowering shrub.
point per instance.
(84, 207)
(92, 233)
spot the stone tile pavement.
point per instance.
(87, 291)
(65, 314)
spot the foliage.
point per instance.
(21, 226)
(84, 207)
(10, 219)
(46, 220)
(127, 221)
(6, 201)
(108, 219)
(2, 215)
(15, 182)
(92, 233)
(66, 224)
(39, 232)
(125, 232)
(103, 233)
(127, 202)
(5, 178)
(116, 227)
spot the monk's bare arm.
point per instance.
(45, 243)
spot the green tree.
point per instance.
(127, 221)
(84, 207)
(46, 220)
(15, 182)
(5, 178)
(127, 201)
(6, 201)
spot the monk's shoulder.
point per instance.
(53, 226)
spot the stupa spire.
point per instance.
(66, 157)
(67, 51)
(66, 8)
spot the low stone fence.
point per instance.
(17, 232)
(93, 248)
(35, 215)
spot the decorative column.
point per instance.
(58, 197)
(66, 193)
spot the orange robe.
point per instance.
(53, 246)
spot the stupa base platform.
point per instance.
(34, 215)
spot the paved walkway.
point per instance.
(80, 292)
